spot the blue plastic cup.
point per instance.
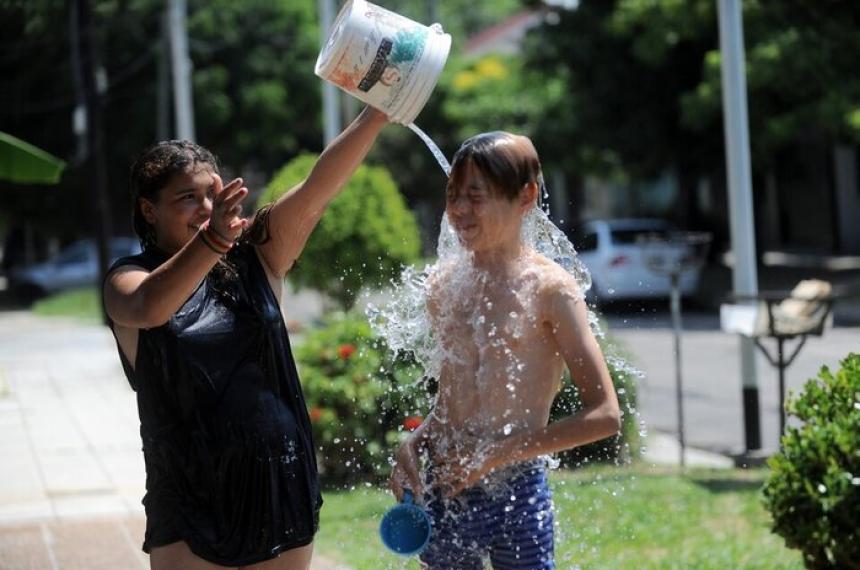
(405, 529)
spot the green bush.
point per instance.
(813, 491)
(360, 399)
(618, 448)
(365, 236)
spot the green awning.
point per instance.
(24, 163)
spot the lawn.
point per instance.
(612, 518)
(80, 304)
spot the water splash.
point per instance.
(402, 320)
(437, 152)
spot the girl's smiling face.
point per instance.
(182, 205)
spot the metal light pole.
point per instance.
(162, 102)
(736, 125)
(181, 64)
(432, 11)
(330, 95)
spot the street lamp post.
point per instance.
(181, 64)
(735, 123)
(330, 96)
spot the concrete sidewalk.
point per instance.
(72, 474)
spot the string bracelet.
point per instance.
(214, 241)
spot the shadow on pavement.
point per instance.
(717, 485)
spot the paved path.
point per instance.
(71, 469)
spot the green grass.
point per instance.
(83, 304)
(607, 518)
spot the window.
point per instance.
(641, 234)
(76, 253)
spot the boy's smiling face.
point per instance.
(480, 215)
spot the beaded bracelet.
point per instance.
(214, 240)
(210, 245)
(217, 237)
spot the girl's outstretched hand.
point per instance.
(226, 221)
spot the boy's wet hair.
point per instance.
(507, 161)
(154, 168)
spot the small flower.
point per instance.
(344, 351)
(412, 422)
(316, 414)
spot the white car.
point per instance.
(632, 258)
(74, 266)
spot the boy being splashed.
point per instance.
(508, 320)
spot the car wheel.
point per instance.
(27, 293)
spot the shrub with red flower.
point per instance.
(357, 396)
(344, 351)
(412, 422)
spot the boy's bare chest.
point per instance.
(502, 322)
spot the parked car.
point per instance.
(74, 266)
(629, 258)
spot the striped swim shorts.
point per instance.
(508, 520)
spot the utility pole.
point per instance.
(330, 95)
(89, 94)
(432, 12)
(181, 64)
(162, 111)
(742, 226)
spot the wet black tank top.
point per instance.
(226, 436)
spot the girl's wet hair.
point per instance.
(507, 161)
(154, 168)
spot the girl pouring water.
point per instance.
(231, 477)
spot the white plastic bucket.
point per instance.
(384, 59)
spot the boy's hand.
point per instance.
(458, 474)
(405, 474)
(465, 469)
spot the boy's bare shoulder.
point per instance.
(439, 274)
(439, 278)
(554, 282)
